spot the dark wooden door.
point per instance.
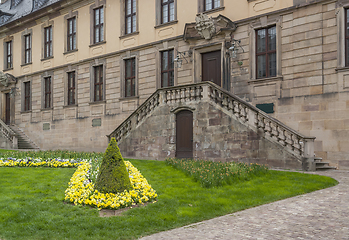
(8, 108)
(184, 134)
(211, 67)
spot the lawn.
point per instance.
(31, 202)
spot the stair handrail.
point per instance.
(272, 128)
(8, 133)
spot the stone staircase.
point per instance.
(24, 141)
(300, 146)
(322, 166)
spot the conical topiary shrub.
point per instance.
(113, 176)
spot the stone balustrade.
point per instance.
(271, 128)
(9, 134)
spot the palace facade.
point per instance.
(74, 70)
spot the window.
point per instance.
(130, 16)
(167, 68)
(71, 88)
(9, 59)
(98, 83)
(347, 37)
(48, 92)
(130, 77)
(27, 49)
(266, 52)
(26, 96)
(211, 4)
(48, 42)
(71, 34)
(98, 35)
(167, 11)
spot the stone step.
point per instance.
(325, 168)
(322, 164)
(23, 141)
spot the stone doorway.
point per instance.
(7, 108)
(184, 134)
(211, 67)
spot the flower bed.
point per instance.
(39, 162)
(81, 190)
(81, 186)
(215, 174)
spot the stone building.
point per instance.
(76, 70)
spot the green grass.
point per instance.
(6, 151)
(31, 202)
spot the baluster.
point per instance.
(266, 127)
(297, 145)
(280, 136)
(225, 102)
(192, 93)
(185, 95)
(230, 105)
(245, 113)
(200, 92)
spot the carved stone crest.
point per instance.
(205, 26)
(6, 78)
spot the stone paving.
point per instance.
(322, 214)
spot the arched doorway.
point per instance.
(184, 134)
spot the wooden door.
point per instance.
(184, 134)
(211, 67)
(8, 108)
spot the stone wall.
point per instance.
(217, 136)
(311, 92)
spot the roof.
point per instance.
(12, 10)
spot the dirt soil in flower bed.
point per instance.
(112, 213)
(118, 212)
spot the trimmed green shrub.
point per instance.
(113, 176)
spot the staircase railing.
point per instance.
(272, 128)
(10, 135)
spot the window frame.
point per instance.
(9, 55)
(99, 25)
(99, 83)
(267, 52)
(27, 50)
(202, 6)
(27, 96)
(168, 70)
(264, 22)
(47, 104)
(48, 44)
(213, 3)
(71, 34)
(123, 32)
(168, 3)
(132, 16)
(132, 77)
(71, 100)
(97, 5)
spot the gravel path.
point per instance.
(323, 214)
